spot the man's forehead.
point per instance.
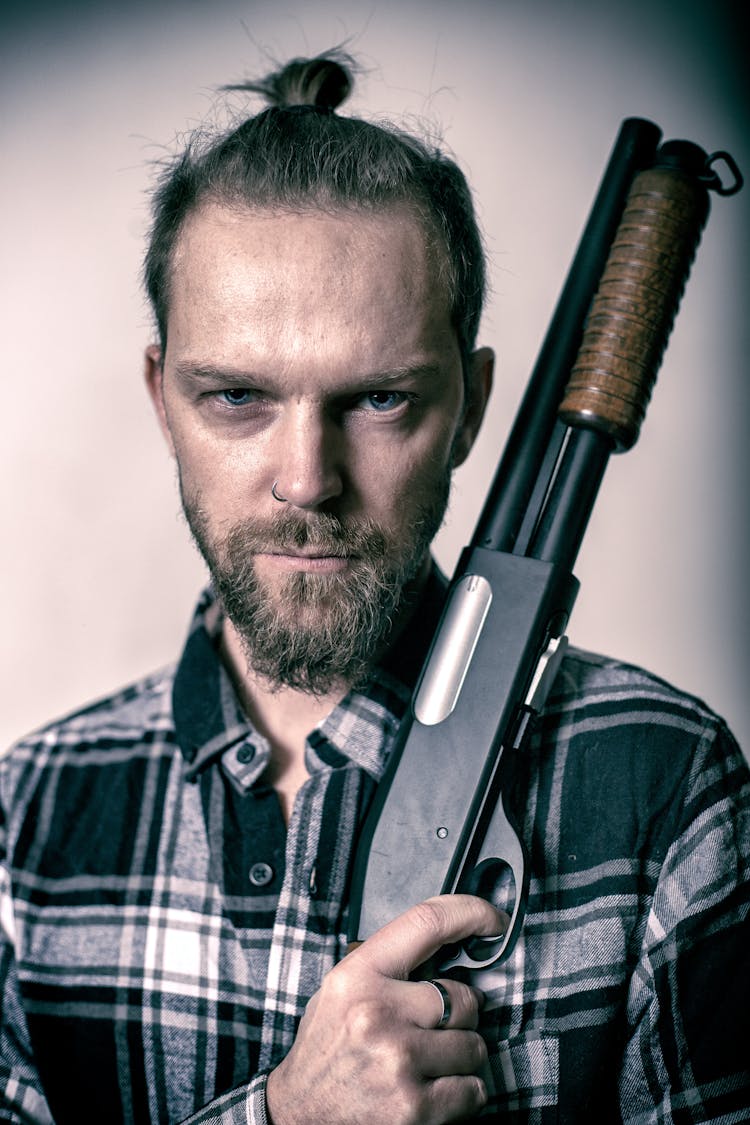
(216, 225)
(234, 260)
(335, 291)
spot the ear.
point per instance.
(153, 371)
(479, 374)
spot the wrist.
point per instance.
(276, 1103)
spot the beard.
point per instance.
(315, 632)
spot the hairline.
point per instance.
(323, 203)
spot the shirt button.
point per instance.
(245, 754)
(261, 874)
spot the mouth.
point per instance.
(306, 560)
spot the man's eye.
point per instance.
(383, 401)
(236, 396)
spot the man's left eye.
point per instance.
(236, 396)
(382, 401)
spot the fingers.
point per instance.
(459, 1007)
(455, 1099)
(417, 934)
(368, 1048)
(444, 1053)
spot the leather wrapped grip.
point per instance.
(633, 310)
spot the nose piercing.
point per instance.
(274, 493)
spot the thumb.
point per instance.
(402, 945)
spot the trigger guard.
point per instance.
(491, 950)
(501, 948)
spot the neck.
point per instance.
(283, 715)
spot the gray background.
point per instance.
(99, 576)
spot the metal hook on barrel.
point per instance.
(713, 180)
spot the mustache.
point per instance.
(318, 531)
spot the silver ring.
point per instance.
(274, 493)
(445, 1000)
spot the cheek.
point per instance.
(224, 475)
(393, 487)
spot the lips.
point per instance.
(307, 560)
(311, 553)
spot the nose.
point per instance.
(308, 469)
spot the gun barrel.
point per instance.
(508, 499)
(635, 305)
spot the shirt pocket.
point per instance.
(523, 1078)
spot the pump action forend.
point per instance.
(438, 822)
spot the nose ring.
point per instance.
(274, 493)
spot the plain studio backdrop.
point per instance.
(99, 574)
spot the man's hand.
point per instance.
(368, 1048)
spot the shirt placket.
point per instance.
(308, 934)
(304, 946)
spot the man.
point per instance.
(178, 855)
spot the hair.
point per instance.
(298, 153)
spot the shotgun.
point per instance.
(438, 822)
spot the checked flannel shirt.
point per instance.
(163, 930)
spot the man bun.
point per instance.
(323, 83)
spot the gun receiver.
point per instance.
(438, 822)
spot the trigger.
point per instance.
(494, 881)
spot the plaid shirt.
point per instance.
(163, 930)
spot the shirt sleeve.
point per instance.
(21, 1096)
(686, 1060)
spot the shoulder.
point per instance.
(624, 770)
(124, 724)
(612, 728)
(601, 692)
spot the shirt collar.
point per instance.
(210, 723)
(207, 714)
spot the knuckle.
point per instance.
(430, 916)
(479, 1050)
(336, 987)
(468, 1000)
(365, 1021)
(454, 915)
(407, 1058)
(478, 1091)
(456, 1098)
(408, 1106)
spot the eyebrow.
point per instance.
(208, 373)
(235, 376)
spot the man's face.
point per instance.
(313, 350)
